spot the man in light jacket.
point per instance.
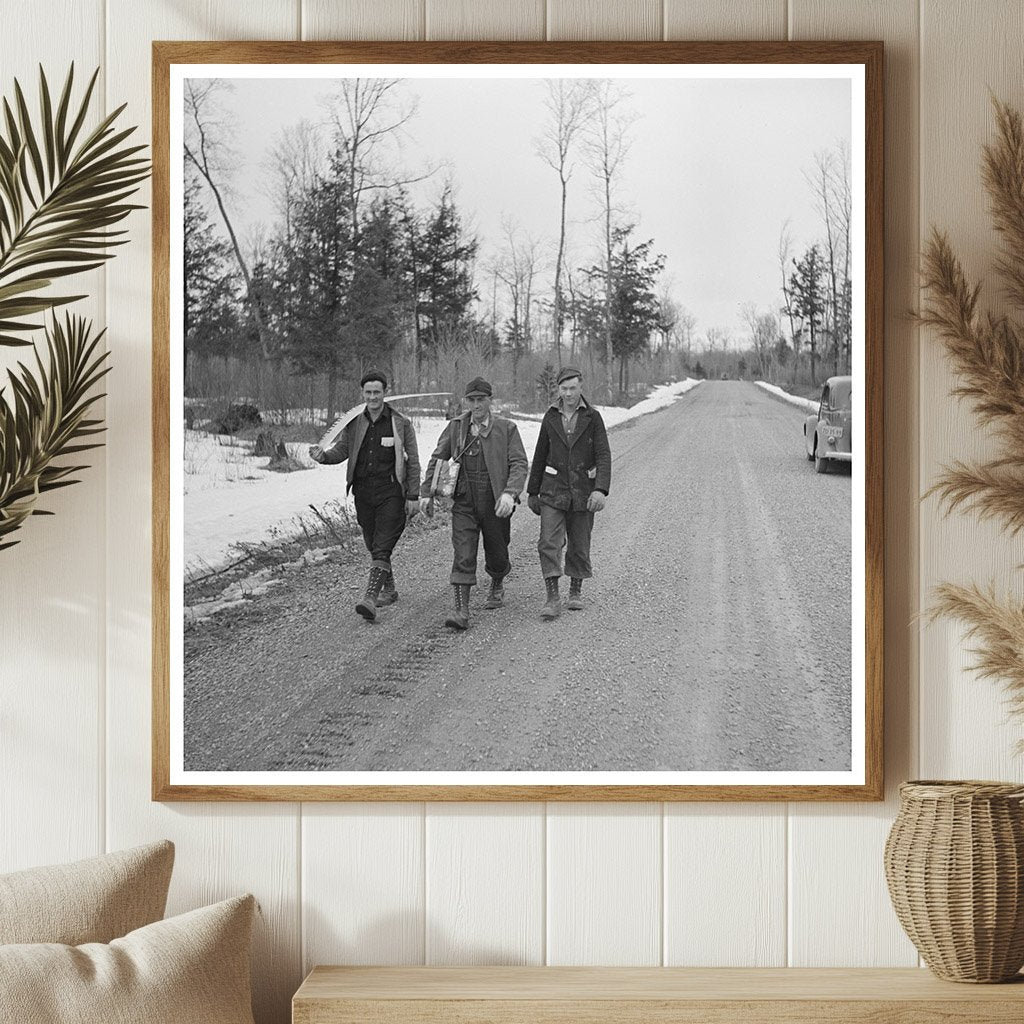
(569, 482)
(492, 471)
(383, 472)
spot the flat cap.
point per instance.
(478, 386)
(568, 372)
(373, 375)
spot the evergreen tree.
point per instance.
(808, 298)
(211, 314)
(444, 283)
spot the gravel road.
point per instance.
(716, 634)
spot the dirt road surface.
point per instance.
(716, 634)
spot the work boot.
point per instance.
(496, 598)
(388, 594)
(553, 608)
(367, 607)
(575, 600)
(459, 616)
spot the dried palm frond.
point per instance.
(60, 196)
(1003, 176)
(998, 629)
(46, 420)
(992, 490)
(986, 353)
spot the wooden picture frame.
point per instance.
(863, 61)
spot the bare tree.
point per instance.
(685, 324)
(516, 268)
(784, 251)
(293, 164)
(369, 116)
(717, 337)
(607, 146)
(206, 150)
(568, 103)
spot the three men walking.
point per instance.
(568, 483)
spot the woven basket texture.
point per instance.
(954, 862)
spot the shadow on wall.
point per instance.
(396, 940)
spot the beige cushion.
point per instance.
(190, 969)
(92, 900)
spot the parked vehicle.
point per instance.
(827, 432)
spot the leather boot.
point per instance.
(388, 594)
(459, 615)
(496, 597)
(575, 599)
(367, 607)
(553, 608)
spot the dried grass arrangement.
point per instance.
(987, 354)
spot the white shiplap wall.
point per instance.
(740, 884)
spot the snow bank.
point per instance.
(231, 498)
(807, 404)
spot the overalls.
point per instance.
(473, 514)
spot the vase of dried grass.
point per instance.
(954, 862)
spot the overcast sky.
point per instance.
(714, 169)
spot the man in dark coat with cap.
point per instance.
(383, 472)
(569, 481)
(492, 470)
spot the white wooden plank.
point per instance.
(51, 583)
(726, 19)
(384, 19)
(485, 19)
(604, 19)
(967, 49)
(222, 848)
(604, 884)
(725, 885)
(362, 884)
(485, 883)
(840, 913)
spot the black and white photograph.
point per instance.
(517, 425)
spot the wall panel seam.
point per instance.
(424, 853)
(103, 608)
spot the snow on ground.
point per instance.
(231, 498)
(807, 404)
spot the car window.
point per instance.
(824, 400)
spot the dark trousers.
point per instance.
(562, 528)
(380, 512)
(473, 515)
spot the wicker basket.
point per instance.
(954, 861)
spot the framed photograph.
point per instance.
(517, 421)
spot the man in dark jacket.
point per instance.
(569, 481)
(492, 471)
(383, 472)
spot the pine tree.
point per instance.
(808, 298)
(444, 282)
(211, 314)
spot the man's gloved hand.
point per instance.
(412, 506)
(534, 502)
(316, 453)
(595, 503)
(425, 506)
(505, 506)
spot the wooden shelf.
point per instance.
(631, 995)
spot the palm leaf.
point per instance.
(62, 191)
(46, 419)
